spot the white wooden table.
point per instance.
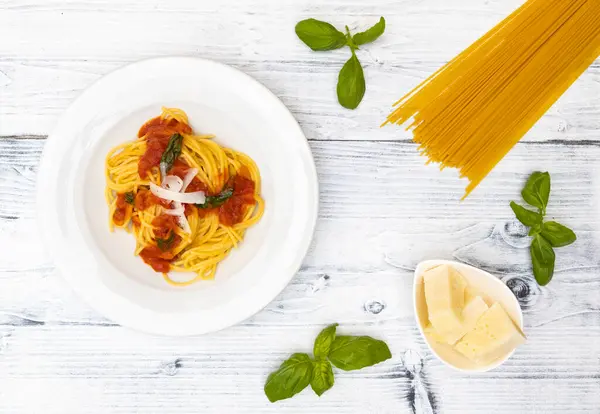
(382, 211)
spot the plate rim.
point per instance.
(43, 214)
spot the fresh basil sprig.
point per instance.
(345, 352)
(217, 200)
(322, 36)
(545, 235)
(171, 153)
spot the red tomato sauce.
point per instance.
(180, 169)
(145, 199)
(120, 210)
(157, 133)
(160, 260)
(232, 211)
(136, 222)
(163, 225)
(157, 259)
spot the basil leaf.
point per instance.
(216, 200)
(371, 34)
(537, 229)
(165, 244)
(527, 217)
(537, 190)
(542, 258)
(557, 234)
(323, 341)
(351, 83)
(293, 376)
(320, 35)
(172, 152)
(129, 197)
(322, 378)
(356, 352)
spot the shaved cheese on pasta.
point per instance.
(176, 185)
(189, 176)
(197, 197)
(163, 171)
(173, 183)
(182, 219)
(177, 211)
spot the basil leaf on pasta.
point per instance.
(172, 152)
(129, 197)
(165, 244)
(217, 200)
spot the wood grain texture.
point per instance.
(382, 211)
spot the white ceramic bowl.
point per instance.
(100, 265)
(491, 290)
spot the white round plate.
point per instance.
(100, 265)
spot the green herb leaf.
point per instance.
(320, 36)
(351, 83)
(323, 341)
(217, 200)
(371, 34)
(322, 378)
(165, 244)
(542, 258)
(527, 217)
(356, 352)
(350, 41)
(293, 376)
(537, 229)
(172, 152)
(537, 190)
(557, 234)
(129, 197)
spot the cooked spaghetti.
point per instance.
(471, 112)
(186, 199)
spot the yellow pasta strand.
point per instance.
(471, 112)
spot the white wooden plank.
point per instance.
(110, 369)
(37, 81)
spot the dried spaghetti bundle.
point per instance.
(471, 112)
